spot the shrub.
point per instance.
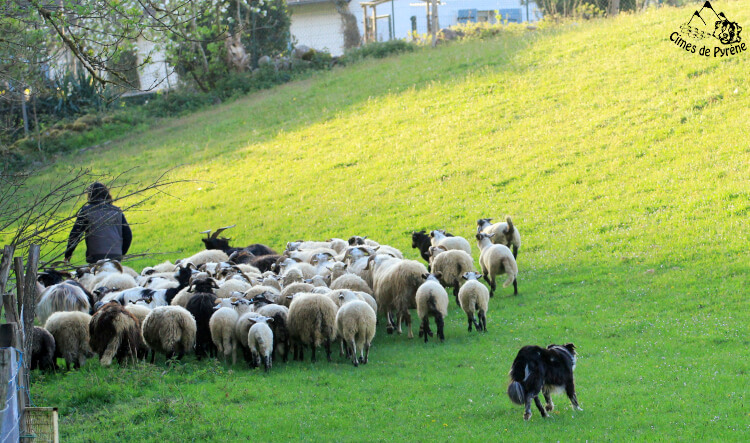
(376, 50)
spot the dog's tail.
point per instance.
(516, 393)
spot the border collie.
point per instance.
(548, 370)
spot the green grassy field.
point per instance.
(624, 163)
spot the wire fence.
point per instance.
(11, 425)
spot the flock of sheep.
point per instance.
(263, 304)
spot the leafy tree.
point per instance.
(229, 37)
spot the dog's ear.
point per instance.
(570, 347)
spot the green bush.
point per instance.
(376, 50)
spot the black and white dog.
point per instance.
(536, 369)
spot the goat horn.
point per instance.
(220, 230)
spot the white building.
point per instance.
(315, 23)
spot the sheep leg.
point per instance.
(470, 318)
(391, 327)
(491, 283)
(109, 353)
(407, 317)
(153, 355)
(483, 320)
(328, 349)
(440, 324)
(367, 352)
(515, 251)
(354, 353)
(515, 287)
(426, 327)
(313, 359)
(267, 363)
(455, 292)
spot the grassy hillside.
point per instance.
(624, 163)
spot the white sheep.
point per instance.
(474, 298)
(292, 275)
(351, 281)
(227, 287)
(505, 233)
(169, 330)
(495, 260)
(65, 296)
(395, 284)
(452, 264)
(301, 269)
(222, 325)
(71, 332)
(317, 281)
(270, 292)
(388, 250)
(280, 316)
(182, 298)
(206, 256)
(272, 281)
(140, 310)
(289, 291)
(432, 301)
(355, 325)
(312, 322)
(337, 270)
(260, 341)
(167, 266)
(438, 238)
(240, 333)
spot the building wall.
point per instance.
(318, 26)
(158, 74)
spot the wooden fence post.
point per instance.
(5, 268)
(28, 311)
(18, 270)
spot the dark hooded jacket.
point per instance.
(104, 227)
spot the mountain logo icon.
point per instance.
(706, 23)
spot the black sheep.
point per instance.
(201, 306)
(115, 333)
(42, 350)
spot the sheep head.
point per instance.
(107, 265)
(356, 240)
(203, 285)
(435, 276)
(471, 275)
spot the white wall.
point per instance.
(156, 75)
(318, 26)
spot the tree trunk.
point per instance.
(348, 24)
(614, 7)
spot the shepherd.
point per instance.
(103, 225)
